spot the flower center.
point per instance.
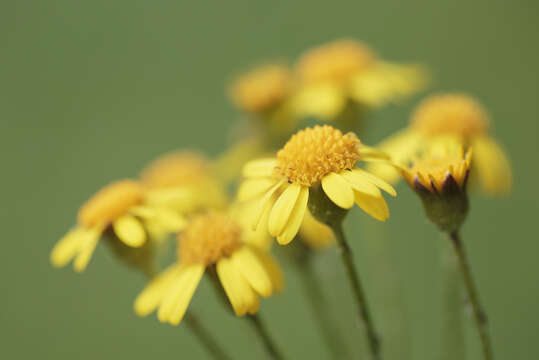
(453, 114)
(335, 62)
(208, 238)
(176, 169)
(262, 88)
(111, 202)
(313, 153)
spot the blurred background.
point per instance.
(91, 91)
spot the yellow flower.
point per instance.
(315, 234)
(315, 157)
(183, 181)
(444, 168)
(439, 176)
(121, 206)
(261, 89)
(211, 240)
(450, 115)
(345, 70)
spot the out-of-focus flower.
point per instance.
(332, 75)
(215, 241)
(314, 234)
(320, 160)
(122, 207)
(440, 117)
(183, 181)
(439, 176)
(263, 94)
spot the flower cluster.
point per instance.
(289, 181)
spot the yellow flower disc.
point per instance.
(454, 114)
(313, 153)
(208, 238)
(110, 203)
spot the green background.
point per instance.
(92, 90)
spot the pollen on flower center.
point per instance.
(208, 238)
(110, 203)
(453, 114)
(334, 62)
(315, 152)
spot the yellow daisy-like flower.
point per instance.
(439, 176)
(345, 70)
(123, 207)
(451, 115)
(183, 181)
(320, 157)
(211, 240)
(261, 89)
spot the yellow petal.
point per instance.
(382, 184)
(242, 297)
(272, 268)
(259, 168)
(66, 249)
(253, 270)
(263, 204)
(87, 247)
(296, 217)
(374, 206)
(280, 213)
(315, 234)
(169, 220)
(252, 188)
(338, 190)
(360, 183)
(493, 167)
(129, 230)
(180, 292)
(152, 295)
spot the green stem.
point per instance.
(263, 333)
(478, 310)
(318, 302)
(453, 339)
(361, 301)
(205, 338)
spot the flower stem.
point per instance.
(361, 301)
(205, 338)
(453, 340)
(263, 333)
(478, 310)
(318, 302)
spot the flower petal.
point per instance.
(493, 167)
(259, 168)
(252, 188)
(280, 213)
(129, 230)
(242, 297)
(87, 247)
(263, 204)
(253, 270)
(296, 217)
(152, 295)
(360, 183)
(179, 295)
(338, 190)
(382, 184)
(374, 206)
(66, 249)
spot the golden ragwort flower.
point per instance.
(183, 181)
(261, 89)
(314, 157)
(451, 115)
(121, 206)
(439, 176)
(212, 240)
(331, 75)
